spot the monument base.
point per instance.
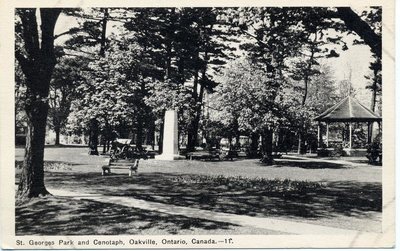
(169, 157)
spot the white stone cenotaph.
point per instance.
(170, 140)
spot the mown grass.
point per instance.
(333, 195)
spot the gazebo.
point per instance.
(348, 110)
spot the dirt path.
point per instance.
(283, 226)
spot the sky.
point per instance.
(355, 60)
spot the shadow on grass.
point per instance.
(309, 164)
(348, 198)
(359, 161)
(62, 216)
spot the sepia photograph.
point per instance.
(200, 127)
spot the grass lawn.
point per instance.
(293, 189)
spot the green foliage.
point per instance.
(374, 151)
(67, 76)
(167, 95)
(247, 95)
(321, 95)
(179, 51)
(111, 88)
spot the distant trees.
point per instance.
(243, 101)
(290, 40)
(67, 76)
(247, 102)
(88, 40)
(184, 44)
(112, 90)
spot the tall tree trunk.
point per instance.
(235, 128)
(139, 132)
(181, 70)
(104, 145)
(267, 141)
(373, 102)
(301, 147)
(32, 177)
(141, 117)
(108, 145)
(196, 122)
(161, 138)
(168, 60)
(37, 65)
(57, 131)
(106, 134)
(253, 151)
(374, 88)
(199, 100)
(94, 126)
(93, 136)
(103, 32)
(301, 143)
(192, 132)
(150, 134)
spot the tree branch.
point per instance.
(356, 24)
(68, 32)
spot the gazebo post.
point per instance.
(350, 135)
(369, 130)
(319, 135)
(327, 134)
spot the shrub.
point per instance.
(338, 151)
(323, 151)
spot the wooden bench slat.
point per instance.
(121, 164)
(123, 161)
(118, 167)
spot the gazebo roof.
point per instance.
(348, 110)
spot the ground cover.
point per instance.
(66, 216)
(339, 196)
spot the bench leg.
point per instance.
(133, 169)
(105, 170)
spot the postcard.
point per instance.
(187, 124)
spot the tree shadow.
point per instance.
(310, 164)
(346, 198)
(65, 216)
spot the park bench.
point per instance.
(203, 155)
(124, 156)
(229, 154)
(374, 158)
(213, 154)
(130, 164)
